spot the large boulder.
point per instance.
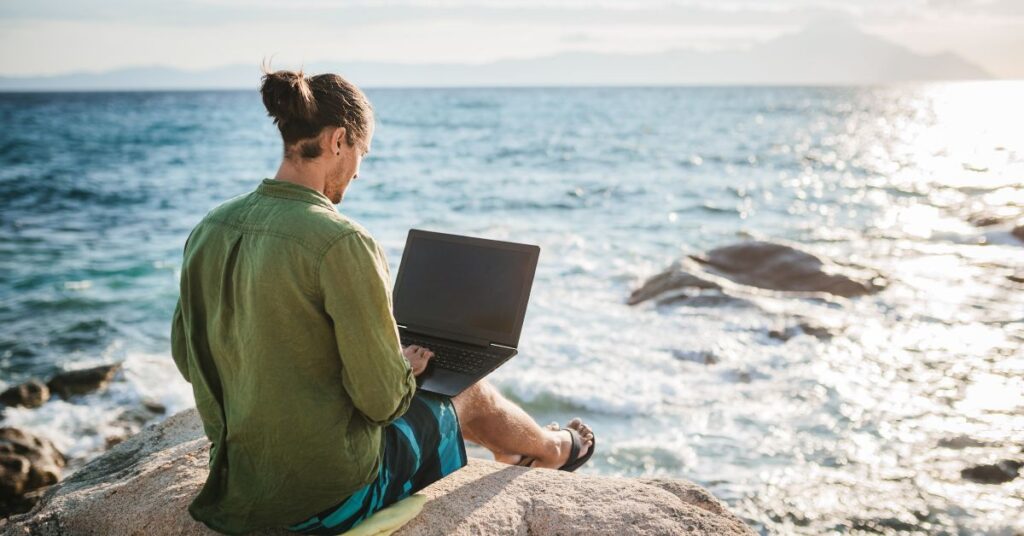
(27, 463)
(144, 485)
(758, 265)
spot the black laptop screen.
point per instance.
(465, 285)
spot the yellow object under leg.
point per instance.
(387, 520)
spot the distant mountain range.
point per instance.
(837, 53)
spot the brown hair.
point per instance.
(302, 106)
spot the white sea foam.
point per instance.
(81, 426)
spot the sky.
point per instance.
(43, 37)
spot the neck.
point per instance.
(307, 176)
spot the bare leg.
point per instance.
(489, 419)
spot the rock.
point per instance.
(704, 299)
(697, 356)
(983, 215)
(27, 463)
(994, 473)
(134, 417)
(819, 332)
(673, 278)
(80, 382)
(1016, 278)
(779, 267)
(144, 486)
(760, 265)
(960, 442)
(490, 498)
(30, 394)
(1018, 232)
(987, 219)
(154, 406)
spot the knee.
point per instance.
(475, 399)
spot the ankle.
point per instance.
(556, 444)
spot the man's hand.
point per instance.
(418, 357)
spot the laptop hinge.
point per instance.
(503, 346)
(441, 334)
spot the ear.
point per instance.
(337, 140)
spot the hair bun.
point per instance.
(287, 95)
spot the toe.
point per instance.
(586, 434)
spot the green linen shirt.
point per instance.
(284, 328)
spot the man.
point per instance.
(284, 329)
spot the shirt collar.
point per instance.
(290, 190)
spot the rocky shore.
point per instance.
(144, 485)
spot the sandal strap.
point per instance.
(574, 450)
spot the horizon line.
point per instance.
(697, 85)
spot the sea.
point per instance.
(865, 431)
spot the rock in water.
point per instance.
(1018, 232)
(819, 332)
(761, 265)
(144, 486)
(674, 278)
(993, 473)
(27, 463)
(778, 267)
(85, 381)
(30, 394)
(960, 442)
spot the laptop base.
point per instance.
(450, 383)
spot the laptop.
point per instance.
(464, 298)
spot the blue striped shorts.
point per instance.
(420, 447)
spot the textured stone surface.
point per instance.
(27, 463)
(144, 485)
(757, 265)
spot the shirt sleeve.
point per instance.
(355, 284)
(179, 335)
(179, 342)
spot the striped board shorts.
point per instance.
(420, 447)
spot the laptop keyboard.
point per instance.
(454, 358)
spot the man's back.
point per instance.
(284, 329)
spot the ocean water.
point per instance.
(863, 432)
